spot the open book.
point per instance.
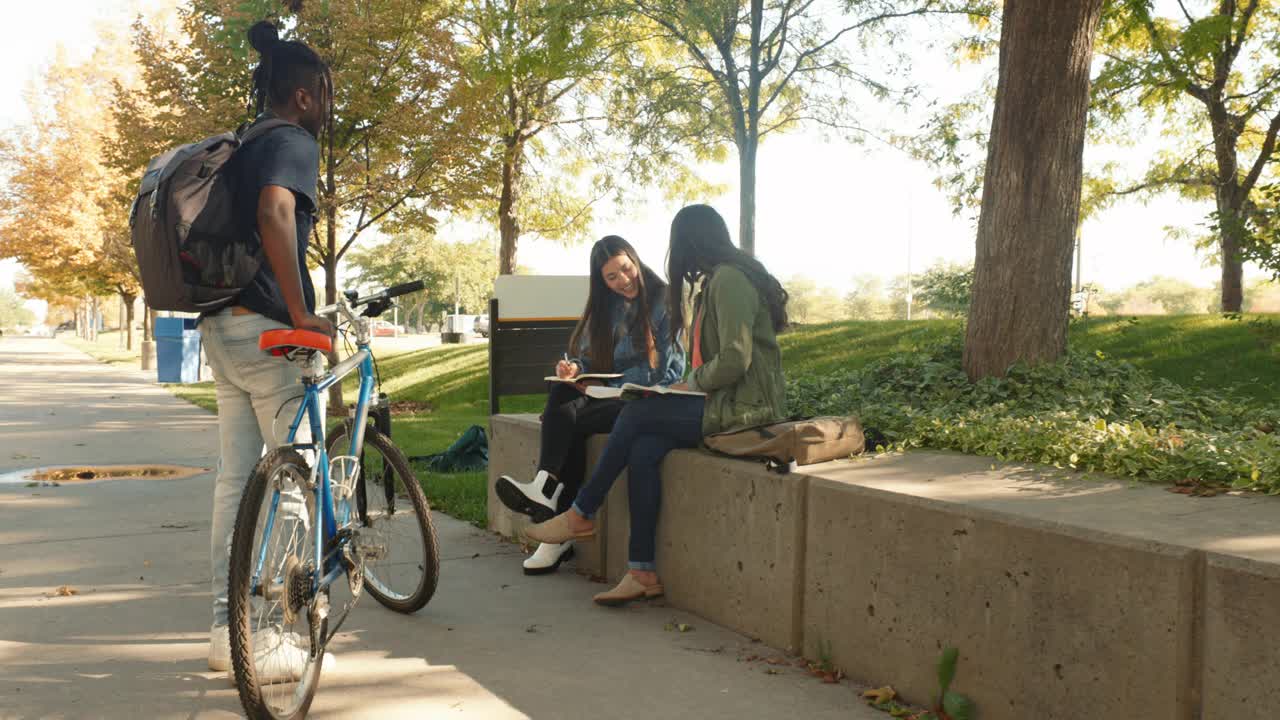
(585, 377)
(631, 391)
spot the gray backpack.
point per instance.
(191, 255)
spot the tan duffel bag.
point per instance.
(802, 441)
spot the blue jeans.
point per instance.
(258, 395)
(645, 432)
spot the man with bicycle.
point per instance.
(275, 177)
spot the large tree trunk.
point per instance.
(508, 220)
(1031, 193)
(747, 195)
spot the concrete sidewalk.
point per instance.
(132, 642)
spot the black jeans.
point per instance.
(568, 420)
(646, 432)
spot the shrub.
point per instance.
(1086, 412)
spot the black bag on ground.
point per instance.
(192, 257)
(469, 452)
(803, 441)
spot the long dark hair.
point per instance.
(597, 320)
(285, 66)
(700, 243)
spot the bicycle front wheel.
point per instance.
(278, 622)
(393, 520)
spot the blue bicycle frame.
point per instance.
(325, 522)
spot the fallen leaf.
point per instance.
(880, 695)
(66, 591)
(146, 563)
(771, 671)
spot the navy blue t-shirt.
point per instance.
(290, 158)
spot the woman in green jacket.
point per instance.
(736, 371)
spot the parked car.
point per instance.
(383, 328)
(482, 325)
(68, 325)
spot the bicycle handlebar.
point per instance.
(394, 291)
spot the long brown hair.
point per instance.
(699, 243)
(597, 321)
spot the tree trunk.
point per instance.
(93, 320)
(1229, 198)
(508, 204)
(129, 299)
(747, 195)
(1031, 192)
(331, 288)
(1230, 212)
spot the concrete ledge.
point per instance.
(730, 543)
(1242, 597)
(732, 554)
(1068, 597)
(1051, 622)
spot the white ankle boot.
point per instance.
(547, 558)
(536, 498)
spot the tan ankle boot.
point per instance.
(627, 590)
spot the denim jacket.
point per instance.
(633, 362)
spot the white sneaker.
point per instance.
(282, 657)
(547, 558)
(277, 657)
(219, 648)
(536, 498)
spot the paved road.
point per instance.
(132, 643)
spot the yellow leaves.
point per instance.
(63, 208)
(880, 695)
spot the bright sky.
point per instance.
(825, 209)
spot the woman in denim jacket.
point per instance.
(624, 330)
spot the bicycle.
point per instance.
(303, 525)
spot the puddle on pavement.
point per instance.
(53, 476)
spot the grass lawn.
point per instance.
(108, 347)
(1193, 350)
(449, 385)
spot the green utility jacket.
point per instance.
(742, 365)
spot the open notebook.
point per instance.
(585, 377)
(631, 391)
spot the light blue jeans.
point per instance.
(258, 395)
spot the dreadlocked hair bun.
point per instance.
(263, 36)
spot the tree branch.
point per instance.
(1264, 155)
(807, 54)
(1195, 90)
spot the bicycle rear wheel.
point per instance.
(391, 515)
(278, 624)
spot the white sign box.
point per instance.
(540, 297)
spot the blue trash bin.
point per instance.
(177, 350)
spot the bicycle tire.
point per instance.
(339, 439)
(243, 556)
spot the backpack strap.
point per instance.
(259, 129)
